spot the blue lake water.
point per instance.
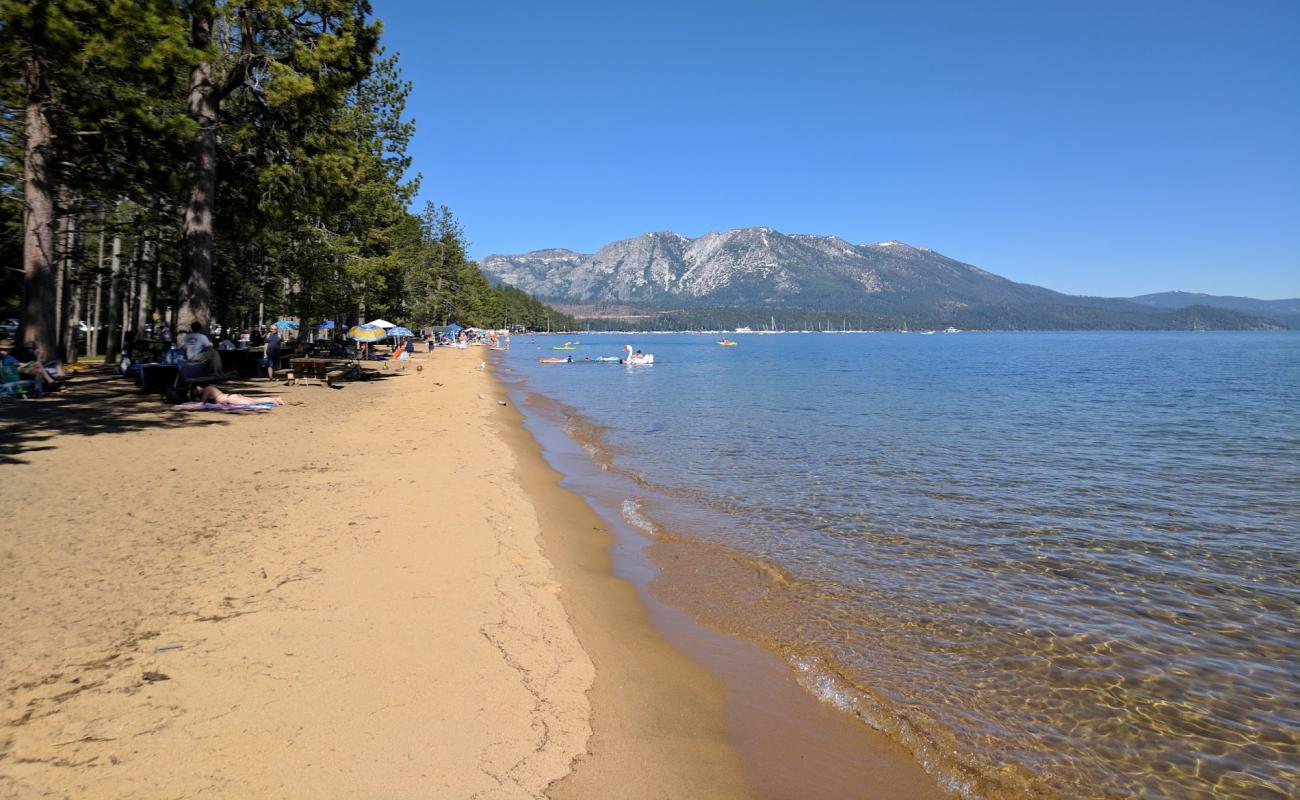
(1047, 563)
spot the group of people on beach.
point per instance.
(195, 347)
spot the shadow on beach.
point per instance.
(98, 400)
(94, 401)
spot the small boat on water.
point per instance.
(727, 343)
(951, 329)
(928, 333)
(637, 359)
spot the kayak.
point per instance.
(727, 344)
(564, 347)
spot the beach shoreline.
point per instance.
(790, 742)
(341, 597)
(383, 589)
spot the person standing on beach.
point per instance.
(271, 352)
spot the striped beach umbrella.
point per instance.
(366, 333)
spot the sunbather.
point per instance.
(211, 394)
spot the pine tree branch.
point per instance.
(248, 52)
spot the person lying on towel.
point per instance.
(211, 394)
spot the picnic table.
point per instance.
(323, 369)
(316, 368)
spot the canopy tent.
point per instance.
(381, 323)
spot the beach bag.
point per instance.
(175, 395)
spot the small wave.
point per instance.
(596, 453)
(955, 772)
(632, 512)
(829, 690)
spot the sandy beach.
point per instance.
(343, 597)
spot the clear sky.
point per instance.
(1107, 148)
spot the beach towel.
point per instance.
(196, 406)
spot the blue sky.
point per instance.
(1107, 148)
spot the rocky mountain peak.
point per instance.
(756, 265)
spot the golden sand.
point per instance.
(373, 591)
(343, 597)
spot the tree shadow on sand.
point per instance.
(94, 402)
(99, 401)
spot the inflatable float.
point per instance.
(637, 359)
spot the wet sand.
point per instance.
(790, 744)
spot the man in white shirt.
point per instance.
(198, 347)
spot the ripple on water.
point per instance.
(1048, 564)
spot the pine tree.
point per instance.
(298, 56)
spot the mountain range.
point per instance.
(740, 273)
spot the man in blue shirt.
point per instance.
(271, 352)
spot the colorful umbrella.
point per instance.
(286, 325)
(366, 333)
(398, 330)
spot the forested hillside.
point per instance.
(219, 162)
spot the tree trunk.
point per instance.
(131, 297)
(203, 102)
(145, 277)
(113, 337)
(71, 309)
(131, 301)
(60, 282)
(92, 338)
(158, 309)
(39, 287)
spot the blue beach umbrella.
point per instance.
(327, 325)
(286, 325)
(398, 330)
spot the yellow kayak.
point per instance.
(727, 344)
